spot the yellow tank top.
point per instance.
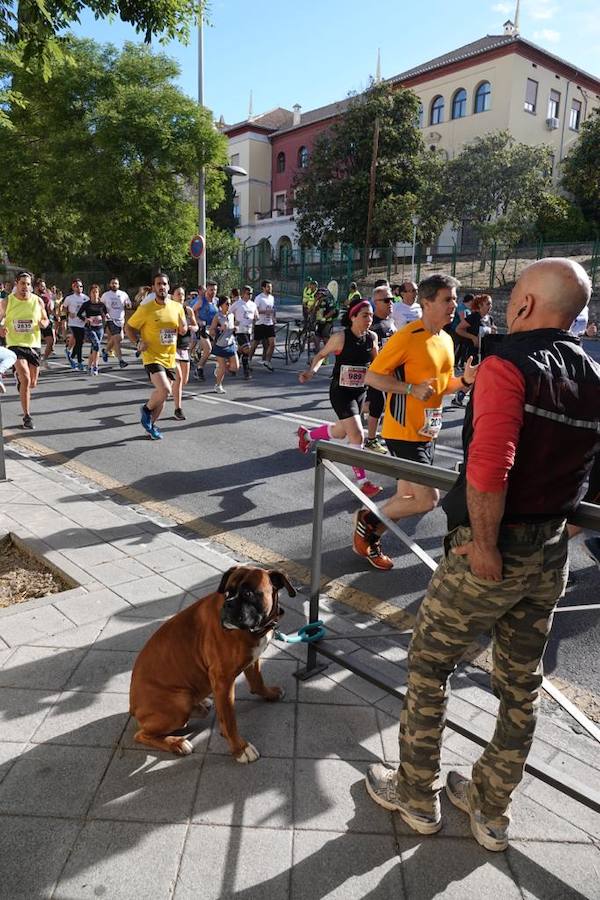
(22, 322)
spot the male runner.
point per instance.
(116, 302)
(245, 314)
(22, 314)
(264, 330)
(416, 370)
(72, 304)
(205, 309)
(156, 326)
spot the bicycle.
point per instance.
(300, 338)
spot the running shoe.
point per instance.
(179, 414)
(247, 375)
(94, 370)
(304, 440)
(146, 419)
(490, 833)
(375, 445)
(81, 367)
(367, 543)
(2, 386)
(104, 356)
(592, 545)
(123, 364)
(267, 365)
(68, 355)
(28, 423)
(155, 434)
(219, 389)
(369, 489)
(44, 364)
(200, 374)
(381, 783)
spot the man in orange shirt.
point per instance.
(416, 370)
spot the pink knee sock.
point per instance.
(320, 433)
(359, 472)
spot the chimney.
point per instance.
(296, 107)
(509, 27)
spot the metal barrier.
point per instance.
(327, 453)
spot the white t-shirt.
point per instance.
(150, 296)
(245, 312)
(581, 322)
(402, 313)
(116, 302)
(265, 304)
(73, 304)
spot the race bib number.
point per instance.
(432, 424)
(352, 376)
(168, 336)
(22, 326)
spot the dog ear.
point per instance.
(279, 580)
(223, 583)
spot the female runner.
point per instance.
(182, 358)
(223, 329)
(355, 348)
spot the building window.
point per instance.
(281, 162)
(459, 104)
(235, 159)
(554, 105)
(436, 115)
(420, 116)
(302, 158)
(575, 115)
(482, 97)
(531, 95)
(280, 203)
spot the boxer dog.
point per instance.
(201, 651)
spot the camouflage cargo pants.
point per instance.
(457, 608)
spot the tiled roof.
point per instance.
(273, 120)
(489, 42)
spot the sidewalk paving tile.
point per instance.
(40, 667)
(84, 720)
(276, 673)
(324, 689)
(330, 795)
(28, 626)
(268, 726)
(147, 590)
(556, 871)
(21, 712)
(355, 684)
(49, 780)
(557, 802)
(92, 555)
(138, 786)
(103, 670)
(123, 632)
(9, 753)
(245, 863)
(119, 571)
(139, 541)
(345, 867)
(256, 795)
(122, 861)
(48, 842)
(343, 732)
(196, 577)
(166, 558)
(87, 608)
(80, 636)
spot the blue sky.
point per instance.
(315, 52)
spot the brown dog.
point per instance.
(201, 651)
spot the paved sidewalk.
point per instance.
(85, 812)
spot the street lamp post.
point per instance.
(416, 220)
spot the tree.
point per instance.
(581, 170)
(101, 160)
(332, 193)
(497, 185)
(560, 220)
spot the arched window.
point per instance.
(437, 110)
(281, 162)
(302, 158)
(459, 104)
(420, 116)
(483, 97)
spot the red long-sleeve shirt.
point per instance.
(497, 422)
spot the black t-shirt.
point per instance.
(355, 352)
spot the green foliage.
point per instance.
(498, 185)
(333, 192)
(581, 170)
(562, 221)
(102, 160)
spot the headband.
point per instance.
(364, 304)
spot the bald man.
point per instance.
(530, 435)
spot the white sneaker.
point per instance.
(2, 386)
(219, 389)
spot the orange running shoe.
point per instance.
(367, 543)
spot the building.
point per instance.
(497, 82)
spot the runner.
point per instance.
(355, 348)
(245, 314)
(22, 314)
(116, 302)
(182, 356)
(7, 361)
(47, 334)
(407, 308)
(94, 314)
(205, 310)
(222, 332)
(415, 369)
(384, 327)
(76, 331)
(156, 326)
(264, 330)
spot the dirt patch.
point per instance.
(22, 577)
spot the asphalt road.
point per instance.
(234, 463)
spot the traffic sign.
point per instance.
(197, 246)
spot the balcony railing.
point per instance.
(275, 213)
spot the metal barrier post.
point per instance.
(312, 667)
(2, 459)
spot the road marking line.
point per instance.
(334, 588)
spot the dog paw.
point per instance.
(248, 755)
(184, 748)
(274, 694)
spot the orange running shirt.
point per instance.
(414, 355)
